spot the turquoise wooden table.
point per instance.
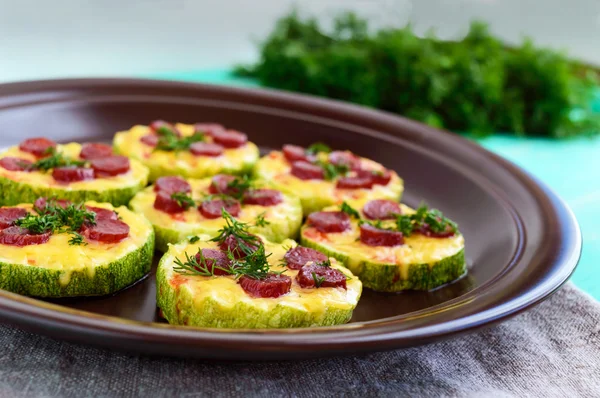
(570, 167)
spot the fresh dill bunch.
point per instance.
(246, 241)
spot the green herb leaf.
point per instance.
(346, 208)
(318, 147)
(333, 171)
(183, 200)
(56, 159)
(77, 239)
(194, 239)
(171, 142)
(318, 279)
(261, 221)
(238, 187)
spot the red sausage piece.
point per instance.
(231, 139)
(8, 216)
(329, 221)
(40, 204)
(206, 149)
(212, 208)
(307, 171)
(110, 166)
(159, 126)
(171, 185)
(239, 248)
(425, 230)
(294, 153)
(298, 256)
(220, 185)
(17, 236)
(37, 146)
(377, 177)
(72, 174)
(369, 235)
(209, 129)
(164, 202)
(107, 231)
(15, 164)
(270, 287)
(354, 182)
(345, 158)
(215, 261)
(103, 214)
(150, 139)
(263, 197)
(381, 209)
(94, 150)
(313, 275)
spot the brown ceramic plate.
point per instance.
(522, 241)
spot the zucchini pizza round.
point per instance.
(191, 151)
(39, 167)
(212, 284)
(388, 245)
(179, 208)
(61, 249)
(321, 178)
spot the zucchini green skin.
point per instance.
(107, 279)
(387, 277)
(14, 193)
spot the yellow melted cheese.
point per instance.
(183, 163)
(227, 292)
(193, 222)
(417, 248)
(137, 174)
(57, 254)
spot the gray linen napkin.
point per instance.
(551, 351)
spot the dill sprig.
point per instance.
(352, 212)
(193, 239)
(260, 220)
(318, 147)
(246, 241)
(424, 217)
(195, 266)
(238, 187)
(56, 159)
(318, 279)
(183, 200)
(169, 141)
(333, 171)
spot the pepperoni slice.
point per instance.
(294, 153)
(107, 231)
(164, 202)
(214, 258)
(307, 171)
(329, 221)
(15, 164)
(263, 197)
(40, 204)
(171, 185)
(378, 177)
(17, 236)
(72, 174)
(239, 247)
(345, 158)
(110, 166)
(150, 139)
(313, 275)
(206, 149)
(103, 214)
(220, 185)
(426, 230)
(158, 126)
(297, 257)
(270, 287)
(37, 146)
(354, 182)
(381, 209)
(212, 208)
(209, 129)
(8, 215)
(369, 235)
(231, 139)
(94, 150)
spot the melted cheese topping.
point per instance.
(274, 167)
(417, 248)
(57, 254)
(193, 222)
(137, 174)
(183, 163)
(227, 292)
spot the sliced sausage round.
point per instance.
(240, 247)
(263, 197)
(371, 236)
(206, 149)
(8, 215)
(15, 164)
(171, 185)
(212, 208)
(38, 146)
(329, 221)
(150, 139)
(102, 213)
(381, 209)
(345, 158)
(94, 150)
(40, 204)
(377, 177)
(231, 138)
(215, 261)
(209, 129)
(107, 231)
(72, 174)
(354, 182)
(17, 236)
(315, 276)
(294, 153)
(110, 166)
(426, 230)
(299, 256)
(159, 126)
(307, 171)
(272, 286)
(220, 184)
(164, 202)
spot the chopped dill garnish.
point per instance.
(318, 147)
(346, 208)
(56, 159)
(194, 239)
(318, 279)
(260, 220)
(183, 200)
